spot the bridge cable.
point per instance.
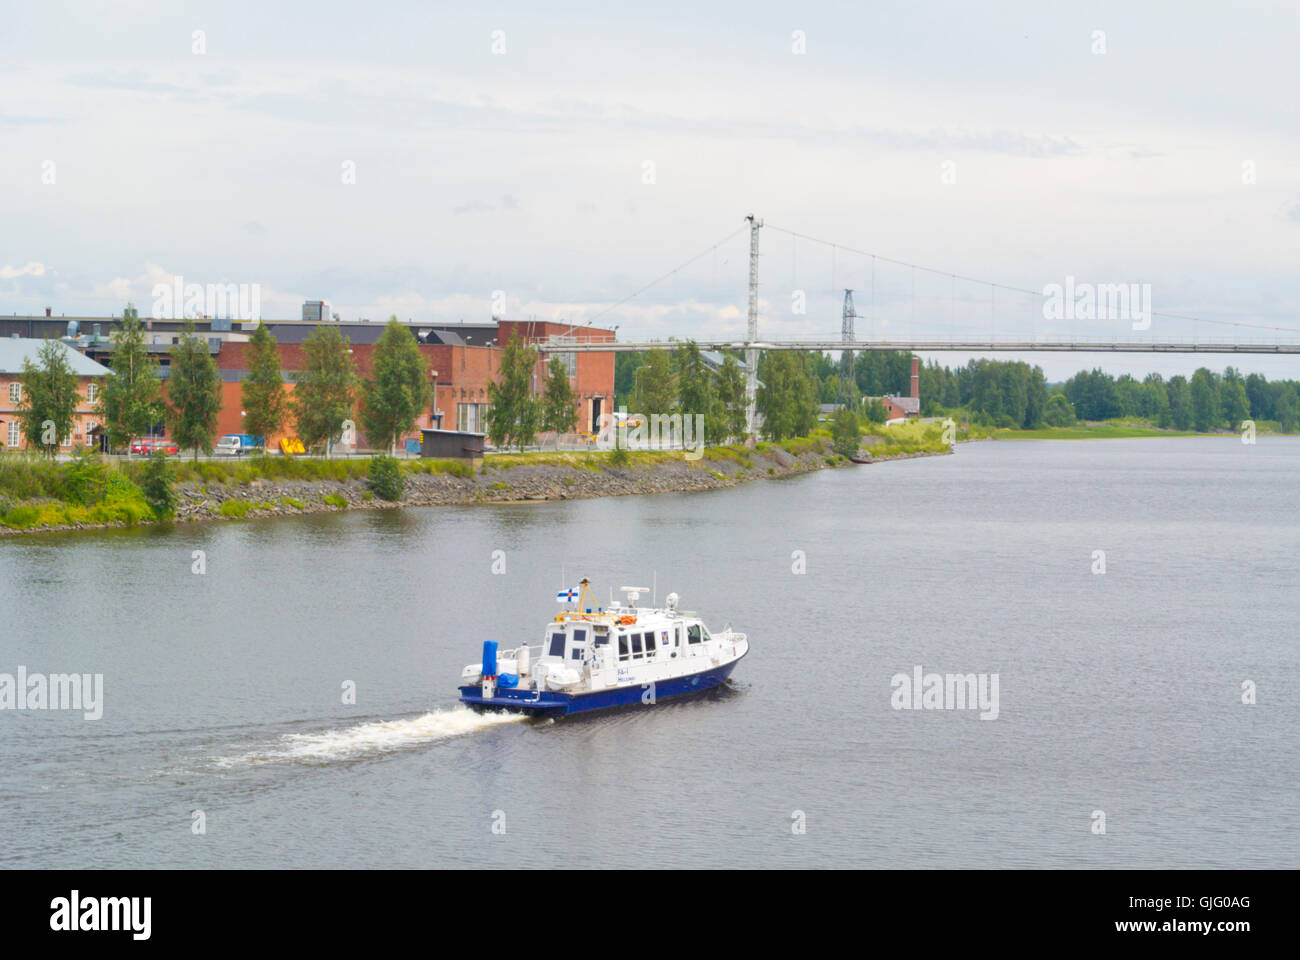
(1033, 293)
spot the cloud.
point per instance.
(29, 269)
(507, 202)
(473, 206)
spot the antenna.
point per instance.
(654, 588)
(633, 595)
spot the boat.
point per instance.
(593, 657)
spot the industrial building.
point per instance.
(462, 358)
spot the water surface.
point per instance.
(1119, 692)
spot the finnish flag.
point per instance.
(567, 596)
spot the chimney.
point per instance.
(47, 311)
(916, 378)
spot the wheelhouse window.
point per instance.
(693, 633)
(556, 648)
(622, 646)
(636, 647)
(650, 643)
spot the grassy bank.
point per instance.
(1094, 431)
(36, 493)
(1123, 428)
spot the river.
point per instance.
(225, 740)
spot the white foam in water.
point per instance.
(375, 738)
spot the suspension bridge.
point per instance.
(848, 342)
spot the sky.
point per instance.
(420, 159)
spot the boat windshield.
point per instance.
(556, 649)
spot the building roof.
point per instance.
(14, 350)
(910, 405)
(716, 358)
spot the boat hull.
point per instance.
(551, 703)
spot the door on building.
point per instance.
(595, 414)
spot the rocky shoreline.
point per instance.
(517, 483)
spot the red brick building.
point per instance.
(460, 369)
(465, 357)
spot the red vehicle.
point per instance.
(145, 446)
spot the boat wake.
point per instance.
(371, 739)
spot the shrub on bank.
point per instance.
(156, 486)
(386, 480)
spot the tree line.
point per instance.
(1011, 393)
(327, 392)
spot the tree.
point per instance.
(1261, 397)
(696, 393)
(1180, 402)
(325, 389)
(787, 400)
(876, 412)
(654, 391)
(265, 401)
(398, 389)
(156, 485)
(514, 413)
(845, 433)
(1234, 405)
(1153, 402)
(1035, 396)
(1205, 400)
(1286, 405)
(385, 478)
(1058, 412)
(1093, 395)
(558, 411)
(130, 401)
(626, 366)
(193, 393)
(49, 397)
(732, 401)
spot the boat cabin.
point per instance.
(628, 636)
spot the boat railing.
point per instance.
(534, 651)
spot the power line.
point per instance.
(677, 269)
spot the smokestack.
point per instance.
(47, 311)
(916, 378)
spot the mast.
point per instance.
(751, 354)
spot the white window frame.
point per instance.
(15, 391)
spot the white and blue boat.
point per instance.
(593, 657)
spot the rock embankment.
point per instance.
(515, 480)
(512, 484)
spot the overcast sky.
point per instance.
(571, 155)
